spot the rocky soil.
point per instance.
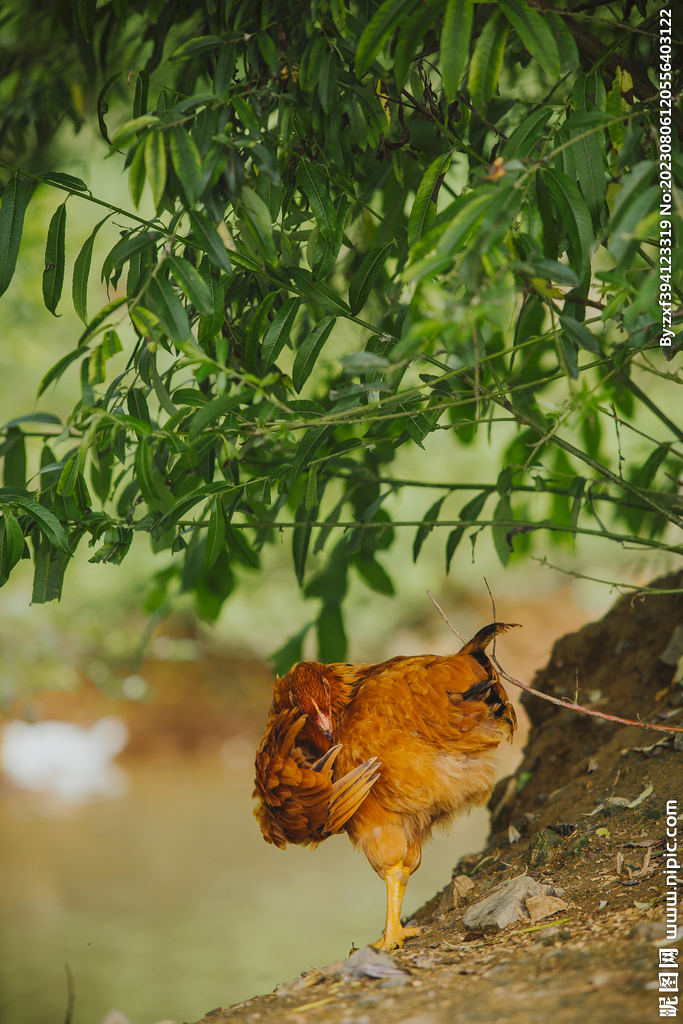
(574, 861)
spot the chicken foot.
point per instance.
(395, 934)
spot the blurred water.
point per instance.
(166, 902)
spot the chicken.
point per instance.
(383, 752)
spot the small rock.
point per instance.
(395, 982)
(453, 894)
(673, 651)
(513, 834)
(678, 741)
(543, 847)
(543, 906)
(648, 931)
(593, 764)
(503, 906)
(370, 963)
(577, 848)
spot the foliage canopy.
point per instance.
(466, 193)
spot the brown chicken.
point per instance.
(383, 752)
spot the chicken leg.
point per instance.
(395, 934)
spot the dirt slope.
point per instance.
(595, 959)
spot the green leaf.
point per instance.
(128, 131)
(308, 446)
(576, 490)
(240, 548)
(137, 405)
(14, 539)
(300, 541)
(57, 370)
(246, 116)
(14, 467)
(535, 33)
(210, 241)
(312, 184)
(68, 477)
(424, 210)
(48, 576)
(503, 513)
(255, 329)
(44, 519)
(102, 109)
(311, 62)
(215, 536)
(378, 30)
(524, 138)
(11, 225)
(579, 334)
(79, 289)
(155, 165)
(331, 635)
(455, 44)
(66, 181)
(589, 166)
(429, 518)
(487, 61)
(575, 217)
(143, 470)
(309, 351)
(186, 163)
(190, 281)
(470, 511)
(53, 275)
(126, 248)
(278, 333)
(374, 574)
(170, 310)
(138, 174)
(210, 412)
(366, 275)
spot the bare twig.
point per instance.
(573, 706)
(564, 703)
(445, 618)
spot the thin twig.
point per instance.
(445, 618)
(573, 706)
(70, 995)
(493, 605)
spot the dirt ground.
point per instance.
(595, 960)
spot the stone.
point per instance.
(673, 652)
(648, 931)
(540, 907)
(505, 905)
(453, 894)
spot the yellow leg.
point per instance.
(395, 934)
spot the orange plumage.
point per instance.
(383, 752)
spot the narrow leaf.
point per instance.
(312, 184)
(155, 165)
(378, 30)
(44, 519)
(366, 275)
(79, 289)
(170, 310)
(487, 61)
(424, 210)
(53, 275)
(535, 33)
(278, 333)
(455, 44)
(310, 350)
(14, 538)
(11, 225)
(575, 216)
(190, 281)
(186, 163)
(215, 536)
(210, 241)
(430, 516)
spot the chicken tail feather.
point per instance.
(349, 792)
(483, 638)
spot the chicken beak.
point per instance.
(325, 725)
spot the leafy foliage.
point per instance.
(474, 191)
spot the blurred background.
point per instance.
(128, 849)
